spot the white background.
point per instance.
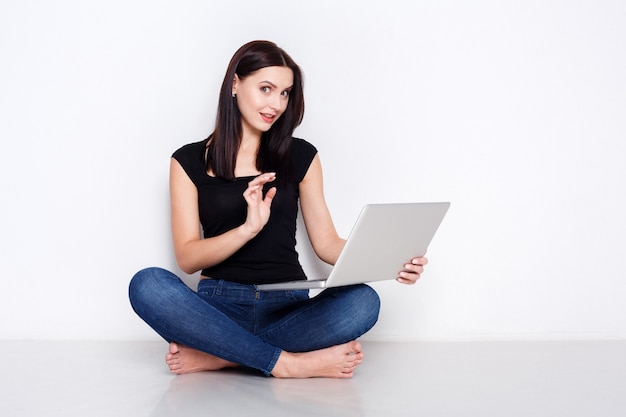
(515, 111)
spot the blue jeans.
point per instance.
(241, 324)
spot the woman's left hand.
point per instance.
(412, 271)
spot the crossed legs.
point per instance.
(304, 342)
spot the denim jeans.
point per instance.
(241, 324)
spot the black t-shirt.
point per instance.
(271, 255)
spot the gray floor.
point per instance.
(396, 379)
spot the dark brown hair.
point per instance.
(223, 143)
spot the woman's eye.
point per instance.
(285, 93)
(265, 89)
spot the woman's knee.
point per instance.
(362, 305)
(147, 285)
(370, 301)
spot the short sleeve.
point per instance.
(303, 153)
(191, 158)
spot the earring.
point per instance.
(234, 95)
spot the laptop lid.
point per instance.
(384, 237)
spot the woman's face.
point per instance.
(262, 97)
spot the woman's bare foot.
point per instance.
(185, 360)
(334, 362)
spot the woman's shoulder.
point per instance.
(191, 158)
(188, 149)
(303, 153)
(303, 149)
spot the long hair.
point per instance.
(224, 142)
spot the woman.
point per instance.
(241, 187)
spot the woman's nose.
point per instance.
(276, 102)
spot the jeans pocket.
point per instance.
(207, 287)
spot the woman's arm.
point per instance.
(319, 225)
(193, 253)
(322, 233)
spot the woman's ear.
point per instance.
(235, 83)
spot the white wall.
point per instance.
(513, 111)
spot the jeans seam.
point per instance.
(272, 364)
(218, 288)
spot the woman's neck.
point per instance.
(246, 157)
(250, 143)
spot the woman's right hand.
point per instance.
(259, 207)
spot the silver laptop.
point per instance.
(383, 239)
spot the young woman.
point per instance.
(241, 188)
